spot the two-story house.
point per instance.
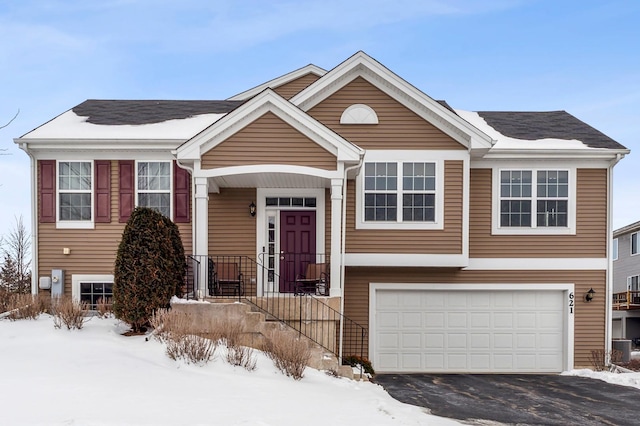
(626, 282)
(461, 241)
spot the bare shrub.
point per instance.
(231, 332)
(25, 306)
(601, 359)
(168, 324)
(104, 307)
(69, 312)
(193, 349)
(289, 354)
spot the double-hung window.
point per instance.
(400, 192)
(74, 191)
(534, 199)
(154, 186)
(634, 243)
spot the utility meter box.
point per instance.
(57, 282)
(45, 283)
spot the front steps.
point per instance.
(256, 327)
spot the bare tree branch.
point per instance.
(10, 121)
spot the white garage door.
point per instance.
(477, 331)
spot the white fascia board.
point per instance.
(268, 101)
(279, 81)
(362, 65)
(586, 153)
(98, 144)
(528, 162)
(537, 264)
(407, 260)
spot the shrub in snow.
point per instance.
(69, 312)
(23, 306)
(359, 362)
(289, 354)
(149, 269)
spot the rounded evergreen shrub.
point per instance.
(149, 268)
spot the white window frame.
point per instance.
(75, 224)
(630, 283)
(570, 229)
(77, 279)
(401, 157)
(631, 238)
(614, 249)
(170, 190)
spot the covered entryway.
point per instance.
(458, 328)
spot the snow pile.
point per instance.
(624, 379)
(97, 377)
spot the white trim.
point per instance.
(261, 217)
(567, 288)
(631, 253)
(496, 229)
(75, 224)
(614, 249)
(269, 168)
(359, 114)
(156, 191)
(537, 264)
(406, 260)
(400, 157)
(279, 81)
(76, 279)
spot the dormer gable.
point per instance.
(302, 76)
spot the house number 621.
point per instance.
(571, 298)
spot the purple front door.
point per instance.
(297, 245)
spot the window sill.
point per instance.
(401, 225)
(74, 225)
(533, 231)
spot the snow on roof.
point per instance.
(506, 142)
(69, 125)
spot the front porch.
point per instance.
(308, 310)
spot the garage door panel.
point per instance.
(469, 331)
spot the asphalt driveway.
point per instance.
(517, 399)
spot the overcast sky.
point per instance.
(581, 56)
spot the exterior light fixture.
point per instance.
(252, 209)
(589, 296)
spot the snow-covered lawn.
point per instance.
(97, 377)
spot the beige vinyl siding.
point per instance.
(292, 88)
(268, 140)
(589, 326)
(93, 251)
(398, 127)
(446, 241)
(591, 221)
(232, 230)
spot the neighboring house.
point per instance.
(462, 241)
(626, 282)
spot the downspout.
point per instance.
(342, 246)
(609, 277)
(34, 220)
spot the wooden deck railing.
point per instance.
(626, 300)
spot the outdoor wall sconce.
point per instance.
(252, 209)
(589, 296)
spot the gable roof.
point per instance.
(137, 112)
(279, 81)
(363, 65)
(547, 125)
(268, 101)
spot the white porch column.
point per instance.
(201, 234)
(336, 230)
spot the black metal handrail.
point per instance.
(309, 315)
